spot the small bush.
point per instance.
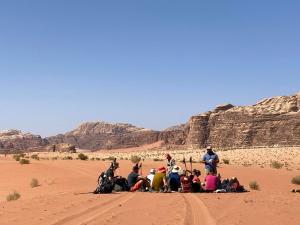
(17, 157)
(13, 197)
(98, 159)
(35, 156)
(24, 161)
(276, 165)
(226, 161)
(254, 185)
(157, 159)
(34, 183)
(93, 159)
(54, 158)
(82, 156)
(67, 158)
(296, 180)
(135, 159)
(111, 158)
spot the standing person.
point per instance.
(170, 163)
(211, 160)
(151, 176)
(135, 181)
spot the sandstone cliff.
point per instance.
(16, 140)
(270, 122)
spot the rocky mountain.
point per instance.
(270, 122)
(16, 140)
(102, 135)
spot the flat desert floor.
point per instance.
(62, 197)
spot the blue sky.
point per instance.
(150, 63)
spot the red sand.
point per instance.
(57, 200)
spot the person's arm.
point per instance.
(203, 159)
(217, 159)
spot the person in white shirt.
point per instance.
(151, 176)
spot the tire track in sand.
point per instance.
(197, 213)
(90, 213)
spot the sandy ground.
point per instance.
(61, 198)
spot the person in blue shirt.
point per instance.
(211, 160)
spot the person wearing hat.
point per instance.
(174, 179)
(211, 160)
(159, 180)
(151, 176)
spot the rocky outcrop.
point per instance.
(102, 135)
(63, 147)
(15, 140)
(270, 122)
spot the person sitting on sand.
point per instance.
(159, 180)
(210, 159)
(211, 182)
(135, 181)
(196, 184)
(151, 176)
(174, 179)
(185, 182)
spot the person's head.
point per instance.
(196, 172)
(152, 171)
(162, 170)
(175, 169)
(209, 150)
(136, 168)
(168, 157)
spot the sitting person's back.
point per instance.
(159, 180)
(174, 181)
(211, 182)
(185, 183)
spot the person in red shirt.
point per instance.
(185, 183)
(196, 184)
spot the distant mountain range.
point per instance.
(271, 122)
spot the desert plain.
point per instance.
(62, 196)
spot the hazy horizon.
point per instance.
(151, 64)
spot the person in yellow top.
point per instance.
(159, 180)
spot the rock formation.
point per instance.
(15, 140)
(102, 135)
(270, 122)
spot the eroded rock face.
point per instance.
(16, 140)
(102, 135)
(270, 122)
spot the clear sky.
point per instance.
(150, 63)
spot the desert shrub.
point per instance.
(34, 183)
(254, 185)
(276, 165)
(98, 159)
(17, 157)
(82, 156)
(67, 158)
(135, 159)
(13, 196)
(24, 161)
(35, 156)
(92, 159)
(54, 158)
(226, 161)
(296, 180)
(111, 158)
(157, 159)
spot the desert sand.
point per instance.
(63, 198)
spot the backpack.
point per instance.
(121, 184)
(105, 183)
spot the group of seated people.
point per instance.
(173, 178)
